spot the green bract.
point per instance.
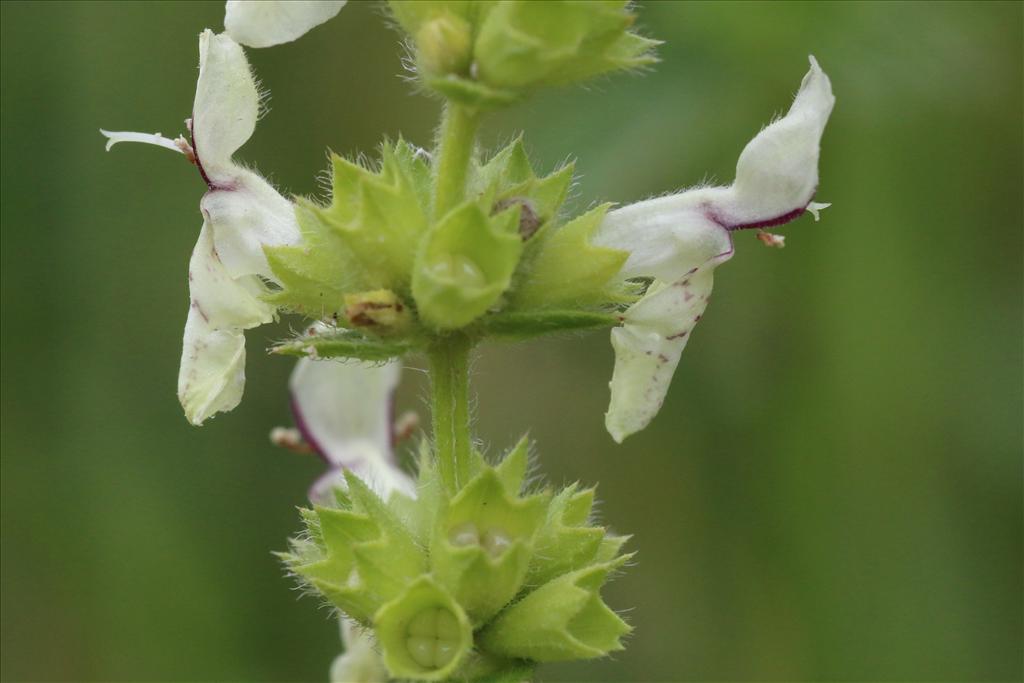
(487, 53)
(453, 584)
(388, 276)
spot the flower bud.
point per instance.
(444, 45)
(524, 44)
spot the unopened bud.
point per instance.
(444, 45)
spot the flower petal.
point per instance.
(226, 106)
(343, 409)
(648, 346)
(212, 372)
(381, 476)
(262, 23)
(776, 176)
(666, 236)
(247, 214)
(777, 172)
(361, 663)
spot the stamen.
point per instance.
(291, 439)
(405, 426)
(179, 144)
(770, 239)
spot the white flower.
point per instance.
(679, 240)
(361, 662)
(344, 412)
(242, 213)
(262, 23)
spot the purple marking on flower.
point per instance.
(199, 310)
(199, 162)
(766, 223)
(307, 434)
(771, 222)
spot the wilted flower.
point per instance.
(680, 239)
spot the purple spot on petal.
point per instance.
(303, 427)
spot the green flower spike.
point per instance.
(489, 54)
(524, 44)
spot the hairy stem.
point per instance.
(449, 376)
(449, 356)
(454, 151)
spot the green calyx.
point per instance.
(451, 583)
(486, 53)
(386, 276)
(364, 240)
(464, 265)
(565, 619)
(423, 632)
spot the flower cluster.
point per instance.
(467, 570)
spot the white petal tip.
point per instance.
(617, 436)
(266, 23)
(815, 208)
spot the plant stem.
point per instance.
(449, 376)
(454, 150)
(449, 356)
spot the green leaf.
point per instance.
(464, 265)
(567, 270)
(344, 344)
(527, 324)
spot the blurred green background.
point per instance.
(832, 491)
